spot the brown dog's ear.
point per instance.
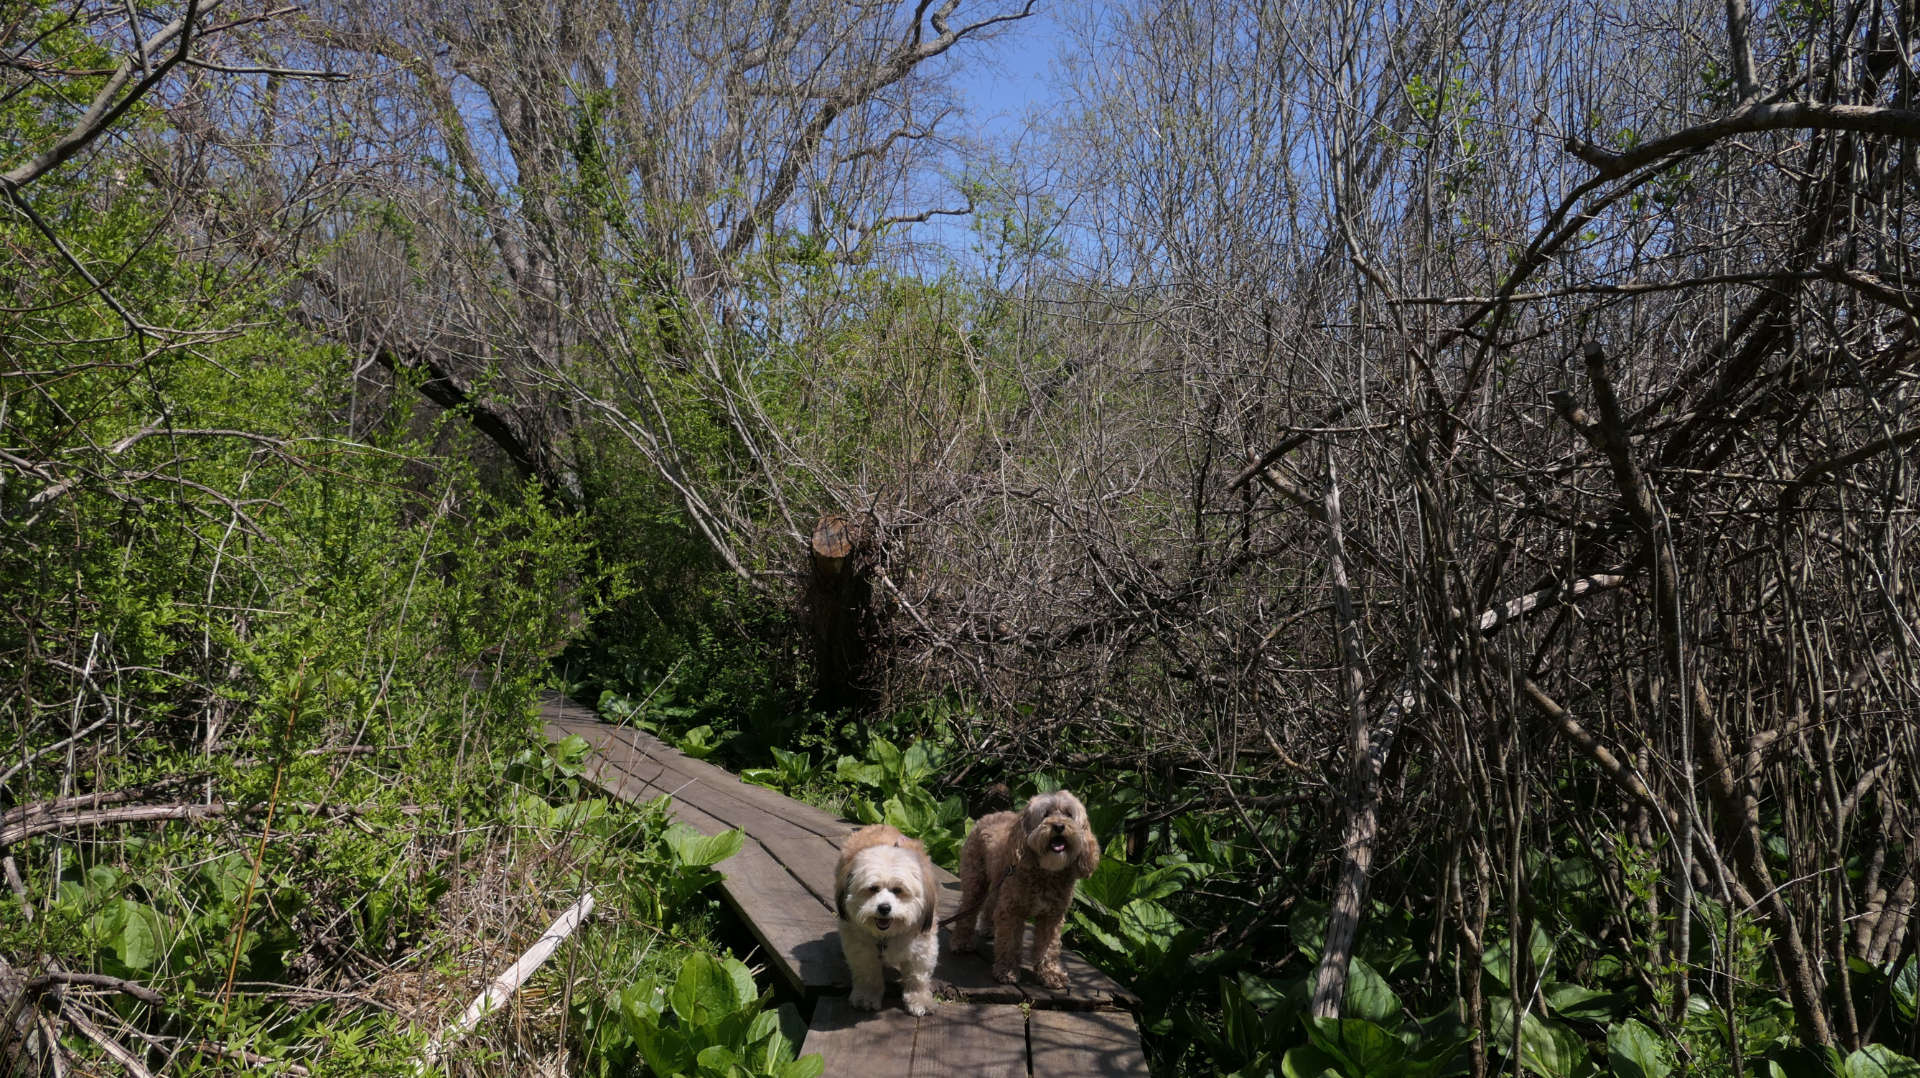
(930, 886)
(1089, 858)
(930, 889)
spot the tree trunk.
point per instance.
(840, 614)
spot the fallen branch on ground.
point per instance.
(510, 981)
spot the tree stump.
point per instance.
(840, 614)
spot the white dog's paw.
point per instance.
(918, 1003)
(865, 1001)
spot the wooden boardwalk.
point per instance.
(781, 885)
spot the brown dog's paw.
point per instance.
(1053, 977)
(1006, 976)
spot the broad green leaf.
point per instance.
(1879, 1061)
(1633, 1051)
(1550, 1049)
(1802, 1061)
(808, 1066)
(1111, 885)
(577, 814)
(764, 1025)
(1579, 1002)
(1306, 1061)
(765, 1046)
(848, 769)
(690, 847)
(665, 1049)
(1088, 926)
(769, 777)
(530, 810)
(570, 750)
(1260, 992)
(227, 875)
(1361, 1047)
(914, 762)
(1150, 922)
(709, 989)
(140, 942)
(1499, 957)
(1368, 996)
(1574, 873)
(640, 1001)
(701, 741)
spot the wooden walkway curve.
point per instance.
(781, 885)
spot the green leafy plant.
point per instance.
(890, 788)
(710, 1021)
(791, 771)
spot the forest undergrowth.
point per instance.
(1168, 913)
(1437, 480)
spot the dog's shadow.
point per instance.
(822, 962)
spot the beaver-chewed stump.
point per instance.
(840, 614)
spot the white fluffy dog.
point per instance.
(884, 891)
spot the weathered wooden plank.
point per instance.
(952, 1040)
(960, 1040)
(555, 708)
(1085, 1044)
(630, 747)
(860, 1042)
(808, 857)
(797, 931)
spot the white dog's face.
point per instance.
(885, 894)
(1057, 833)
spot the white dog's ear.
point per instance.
(926, 916)
(840, 902)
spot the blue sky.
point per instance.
(1002, 79)
(1002, 84)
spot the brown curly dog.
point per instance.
(1020, 867)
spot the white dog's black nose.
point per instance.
(884, 908)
